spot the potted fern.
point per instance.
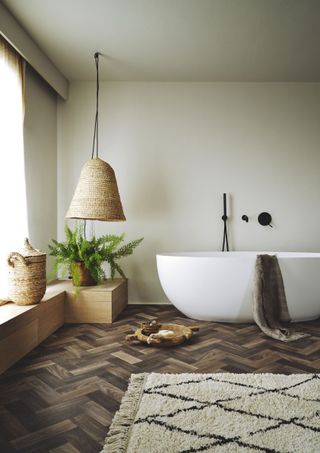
(83, 258)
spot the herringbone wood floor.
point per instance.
(61, 397)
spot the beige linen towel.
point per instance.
(269, 300)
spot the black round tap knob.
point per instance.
(265, 219)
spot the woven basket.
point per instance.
(27, 275)
(96, 196)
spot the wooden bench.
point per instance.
(22, 328)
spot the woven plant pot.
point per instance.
(81, 275)
(27, 275)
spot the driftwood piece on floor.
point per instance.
(167, 335)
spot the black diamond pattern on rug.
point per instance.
(243, 414)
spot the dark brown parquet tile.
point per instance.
(62, 396)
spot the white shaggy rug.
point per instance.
(186, 413)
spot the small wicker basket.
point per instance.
(27, 275)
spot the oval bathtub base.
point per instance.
(217, 286)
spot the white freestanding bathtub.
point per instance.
(217, 286)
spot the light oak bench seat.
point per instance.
(22, 328)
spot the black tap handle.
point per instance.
(265, 219)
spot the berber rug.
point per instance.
(223, 412)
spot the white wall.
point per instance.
(176, 147)
(40, 139)
(17, 36)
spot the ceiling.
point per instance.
(177, 40)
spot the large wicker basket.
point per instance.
(27, 275)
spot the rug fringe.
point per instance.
(118, 435)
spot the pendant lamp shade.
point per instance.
(96, 196)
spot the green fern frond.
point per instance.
(92, 252)
(119, 270)
(127, 249)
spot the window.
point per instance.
(13, 204)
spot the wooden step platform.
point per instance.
(98, 304)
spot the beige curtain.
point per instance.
(13, 204)
(16, 62)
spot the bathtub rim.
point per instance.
(238, 254)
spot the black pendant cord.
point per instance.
(85, 228)
(96, 126)
(225, 243)
(96, 121)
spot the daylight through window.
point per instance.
(13, 206)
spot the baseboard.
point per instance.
(149, 303)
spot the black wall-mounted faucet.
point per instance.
(225, 243)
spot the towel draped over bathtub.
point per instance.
(270, 307)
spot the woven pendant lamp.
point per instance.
(96, 196)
